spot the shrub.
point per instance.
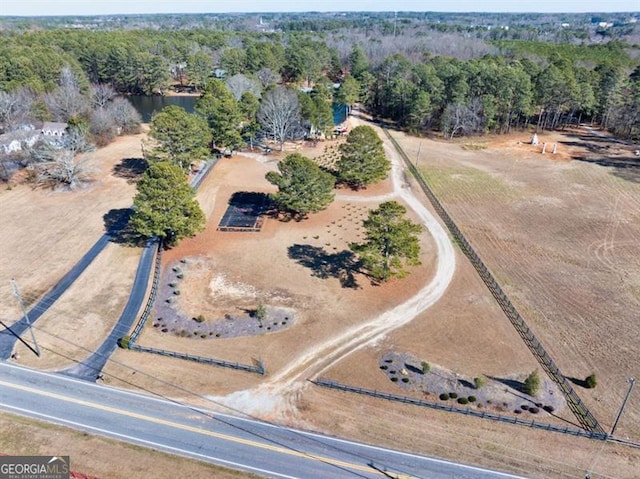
(532, 383)
(453, 395)
(426, 367)
(124, 342)
(176, 292)
(384, 366)
(479, 382)
(444, 396)
(180, 276)
(549, 408)
(463, 401)
(405, 380)
(260, 312)
(176, 269)
(472, 399)
(173, 284)
(394, 379)
(534, 410)
(591, 381)
(199, 318)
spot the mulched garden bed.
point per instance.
(503, 394)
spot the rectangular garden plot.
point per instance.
(245, 212)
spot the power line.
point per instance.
(525, 466)
(16, 293)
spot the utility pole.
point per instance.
(632, 383)
(16, 293)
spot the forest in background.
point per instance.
(459, 74)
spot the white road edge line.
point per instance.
(131, 439)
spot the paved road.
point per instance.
(8, 339)
(90, 368)
(244, 444)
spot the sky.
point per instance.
(105, 7)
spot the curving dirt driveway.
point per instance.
(277, 394)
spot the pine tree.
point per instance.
(182, 137)
(165, 205)
(303, 187)
(220, 109)
(391, 242)
(363, 160)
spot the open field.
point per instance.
(300, 265)
(46, 232)
(561, 236)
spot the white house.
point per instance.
(54, 129)
(17, 140)
(27, 136)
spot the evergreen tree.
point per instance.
(165, 206)
(391, 242)
(532, 383)
(303, 187)
(222, 113)
(182, 137)
(363, 160)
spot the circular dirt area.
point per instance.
(249, 316)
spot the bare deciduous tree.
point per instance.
(67, 101)
(102, 126)
(124, 114)
(14, 108)
(462, 119)
(239, 84)
(56, 166)
(267, 77)
(101, 95)
(279, 114)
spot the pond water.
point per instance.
(339, 113)
(147, 106)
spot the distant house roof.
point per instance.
(219, 72)
(53, 128)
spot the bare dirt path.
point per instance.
(277, 393)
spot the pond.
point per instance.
(147, 106)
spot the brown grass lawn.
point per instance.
(47, 232)
(100, 457)
(559, 235)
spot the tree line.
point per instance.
(549, 85)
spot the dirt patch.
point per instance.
(211, 307)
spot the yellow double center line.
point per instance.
(197, 430)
